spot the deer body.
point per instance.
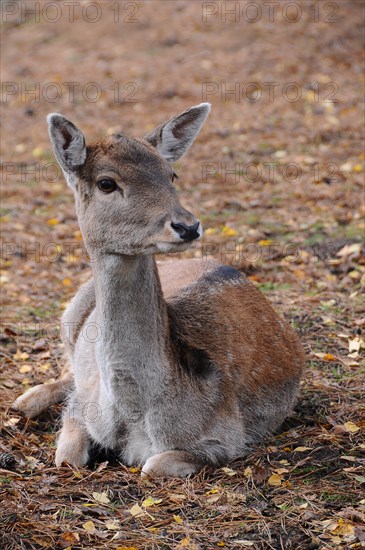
(190, 369)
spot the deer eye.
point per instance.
(107, 185)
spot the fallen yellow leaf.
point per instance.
(177, 519)
(20, 355)
(301, 449)
(52, 221)
(265, 242)
(229, 231)
(89, 526)
(274, 480)
(25, 368)
(37, 152)
(66, 281)
(185, 543)
(150, 501)
(351, 427)
(212, 491)
(280, 471)
(343, 528)
(45, 366)
(329, 357)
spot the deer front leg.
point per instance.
(73, 443)
(39, 398)
(171, 464)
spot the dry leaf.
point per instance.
(113, 525)
(343, 528)
(137, 511)
(20, 355)
(25, 368)
(101, 497)
(11, 422)
(69, 539)
(177, 497)
(355, 344)
(52, 221)
(228, 231)
(275, 480)
(101, 466)
(150, 501)
(213, 499)
(351, 427)
(213, 491)
(260, 473)
(185, 543)
(89, 526)
(229, 471)
(329, 357)
(360, 479)
(280, 471)
(302, 449)
(177, 519)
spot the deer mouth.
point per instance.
(174, 246)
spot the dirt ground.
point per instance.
(277, 178)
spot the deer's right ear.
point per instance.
(68, 143)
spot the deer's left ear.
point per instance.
(173, 138)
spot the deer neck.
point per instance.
(132, 315)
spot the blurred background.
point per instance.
(276, 176)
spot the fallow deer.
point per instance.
(191, 366)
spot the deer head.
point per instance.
(125, 199)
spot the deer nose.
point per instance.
(187, 232)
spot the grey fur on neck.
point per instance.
(132, 315)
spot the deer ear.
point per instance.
(175, 137)
(68, 144)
